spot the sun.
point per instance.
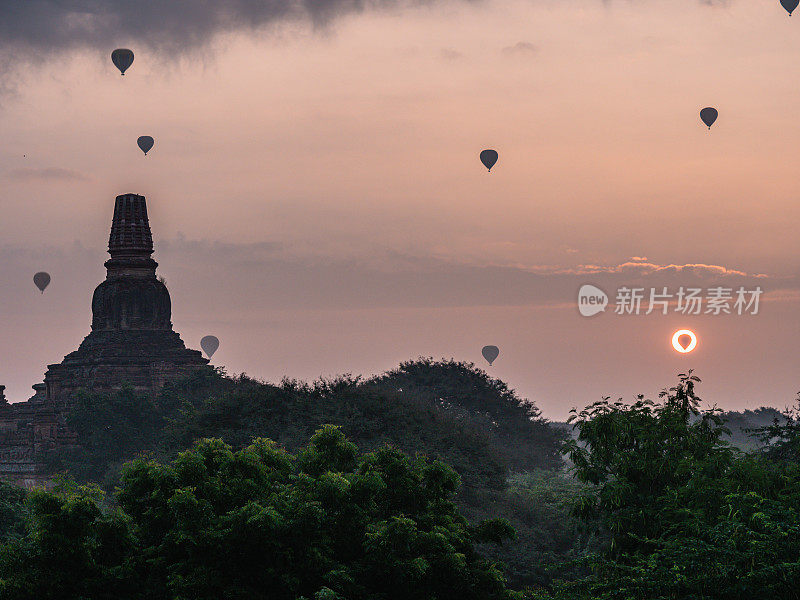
(678, 341)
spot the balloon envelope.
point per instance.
(790, 5)
(122, 59)
(145, 142)
(490, 353)
(684, 340)
(42, 280)
(709, 115)
(488, 158)
(209, 344)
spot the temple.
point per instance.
(131, 343)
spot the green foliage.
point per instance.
(518, 433)
(551, 542)
(637, 454)
(259, 522)
(12, 511)
(745, 427)
(661, 506)
(110, 428)
(71, 549)
(447, 410)
(781, 438)
(370, 417)
(686, 515)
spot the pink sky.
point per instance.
(318, 204)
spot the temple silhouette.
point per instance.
(132, 342)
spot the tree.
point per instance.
(447, 410)
(687, 516)
(519, 434)
(781, 439)
(72, 549)
(325, 523)
(111, 428)
(12, 511)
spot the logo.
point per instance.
(684, 340)
(591, 300)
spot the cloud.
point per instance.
(254, 277)
(450, 54)
(244, 280)
(178, 25)
(30, 29)
(646, 268)
(47, 174)
(520, 48)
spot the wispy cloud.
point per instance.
(47, 174)
(520, 48)
(637, 267)
(450, 54)
(647, 268)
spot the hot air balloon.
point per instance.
(488, 158)
(490, 353)
(145, 142)
(790, 5)
(122, 59)
(708, 115)
(209, 344)
(42, 280)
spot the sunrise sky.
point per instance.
(318, 204)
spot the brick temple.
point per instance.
(131, 343)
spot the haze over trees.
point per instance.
(341, 489)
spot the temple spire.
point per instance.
(130, 229)
(131, 242)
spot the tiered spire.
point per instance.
(130, 229)
(130, 243)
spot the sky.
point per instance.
(317, 201)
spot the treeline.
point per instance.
(742, 426)
(325, 523)
(445, 409)
(655, 502)
(506, 455)
(685, 514)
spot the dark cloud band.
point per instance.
(53, 25)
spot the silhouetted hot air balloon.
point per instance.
(488, 158)
(42, 280)
(122, 59)
(490, 353)
(708, 115)
(209, 344)
(790, 5)
(145, 142)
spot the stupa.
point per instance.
(132, 342)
